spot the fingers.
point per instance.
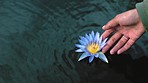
(111, 24)
(126, 46)
(107, 33)
(111, 41)
(120, 43)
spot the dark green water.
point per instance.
(37, 40)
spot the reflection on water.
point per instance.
(37, 42)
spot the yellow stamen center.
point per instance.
(93, 48)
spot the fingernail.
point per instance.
(103, 27)
(111, 52)
(119, 52)
(103, 51)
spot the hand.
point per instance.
(127, 28)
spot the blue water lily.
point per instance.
(91, 45)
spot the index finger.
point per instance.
(111, 24)
(106, 33)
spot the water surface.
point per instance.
(37, 40)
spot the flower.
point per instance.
(91, 45)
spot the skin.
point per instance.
(126, 29)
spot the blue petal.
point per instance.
(103, 43)
(79, 50)
(92, 34)
(103, 57)
(80, 46)
(84, 55)
(87, 37)
(82, 42)
(88, 53)
(96, 39)
(91, 59)
(84, 39)
(100, 40)
(97, 55)
(90, 38)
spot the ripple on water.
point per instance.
(37, 43)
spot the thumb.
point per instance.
(111, 24)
